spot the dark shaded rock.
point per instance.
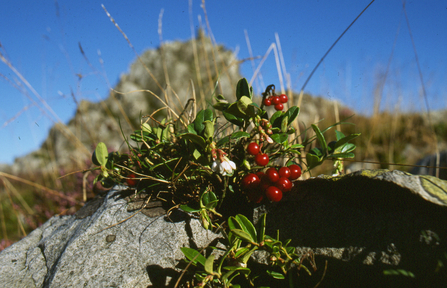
(367, 222)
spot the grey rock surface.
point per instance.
(78, 250)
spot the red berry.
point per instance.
(284, 184)
(262, 159)
(250, 181)
(265, 182)
(273, 193)
(284, 172)
(276, 100)
(255, 195)
(279, 107)
(295, 171)
(272, 174)
(130, 180)
(253, 148)
(267, 102)
(260, 174)
(283, 98)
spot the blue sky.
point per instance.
(41, 38)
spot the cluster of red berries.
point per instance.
(261, 159)
(276, 100)
(272, 184)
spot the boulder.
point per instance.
(366, 223)
(98, 247)
(358, 226)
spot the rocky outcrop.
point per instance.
(98, 247)
(176, 70)
(362, 224)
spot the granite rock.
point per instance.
(94, 248)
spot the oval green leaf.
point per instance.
(193, 256)
(247, 226)
(196, 139)
(209, 265)
(101, 153)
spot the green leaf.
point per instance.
(280, 138)
(220, 97)
(243, 89)
(239, 121)
(237, 268)
(339, 135)
(201, 117)
(240, 252)
(220, 106)
(247, 226)
(208, 197)
(146, 128)
(275, 275)
(223, 141)
(233, 223)
(320, 138)
(211, 205)
(348, 147)
(276, 119)
(166, 134)
(209, 265)
(208, 115)
(231, 271)
(243, 105)
(317, 152)
(343, 140)
(240, 134)
(193, 256)
(188, 209)
(196, 154)
(191, 129)
(196, 139)
(292, 113)
(97, 178)
(291, 131)
(101, 153)
(210, 200)
(209, 129)
(157, 131)
(284, 124)
(312, 160)
(399, 272)
(243, 235)
(290, 250)
(343, 155)
(198, 122)
(297, 146)
(245, 257)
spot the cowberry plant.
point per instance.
(242, 240)
(195, 164)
